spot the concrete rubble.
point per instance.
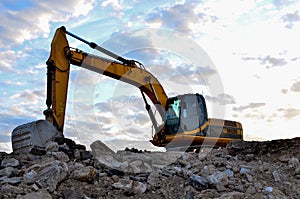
(67, 170)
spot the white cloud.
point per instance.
(222, 99)
(181, 17)
(290, 19)
(115, 4)
(289, 113)
(249, 106)
(8, 60)
(17, 83)
(268, 61)
(279, 4)
(33, 22)
(296, 87)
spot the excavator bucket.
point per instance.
(34, 134)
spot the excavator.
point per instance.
(185, 118)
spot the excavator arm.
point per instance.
(129, 71)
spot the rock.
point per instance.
(99, 148)
(141, 177)
(218, 177)
(72, 145)
(297, 170)
(233, 195)
(208, 170)
(38, 150)
(35, 187)
(249, 157)
(244, 170)
(115, 178)
(153, 178)
(229, 172)
(12, 181)
(276, 176)
(126, 185)
(85, 174)
(249, 177)
(77, 154)
(138, 166)
(274, 193)
(258, 185)
(71, 194)
(239, 188)
(139, 187)
(8, 172)
(168, 172)
(84, 155)
(251, 190)
(61, 156)
(52, 146)
(284, 158)
(220, 187)
(10, 162)
(36, 195)
(293, 162)
(123, 184)
(110, 162)
(198, 182)
(46, 176)
(268, 189)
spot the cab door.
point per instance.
(193, 112)
(190, 117)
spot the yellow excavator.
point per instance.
(185, 119)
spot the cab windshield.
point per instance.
(172, 117)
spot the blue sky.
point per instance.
(248, 69)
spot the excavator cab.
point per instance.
(185, 113)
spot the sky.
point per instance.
(243, 56)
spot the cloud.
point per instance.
(268, 61)
(295, 58)
(222, 99)
(115, 4)
(289, 113)
(179, 17)
(9, 82)
(29, 95)
(121, 42)
(22, 107)
(279, 4)
(296, 87)
(32, 22)
(6, 147)
(188, 74)
(272, 61)
(8, 60)
(291, 18)
(284, 91)
(249, 106)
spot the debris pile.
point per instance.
(66, 170)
